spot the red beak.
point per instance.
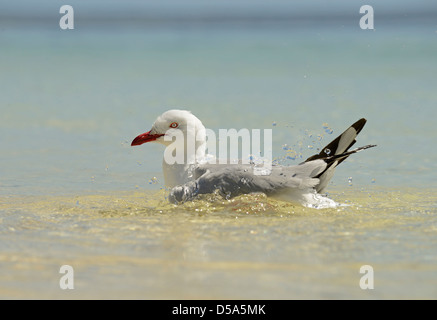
(145, 137)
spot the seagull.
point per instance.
(303, 184)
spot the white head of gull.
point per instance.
(170, 124)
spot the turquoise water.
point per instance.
(75, 101)
(73, 191)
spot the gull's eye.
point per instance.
(174, 125)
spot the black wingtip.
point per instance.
(359, 125)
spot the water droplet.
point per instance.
(373, 180)
(285, 147)
(310, 147)
(327, 128)
(291, 154)
(274, 124)
(153, 180)
(349, 180)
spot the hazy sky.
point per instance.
(24, 13)
(25, 7)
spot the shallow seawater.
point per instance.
(137, 245)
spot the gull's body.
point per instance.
(301, 183)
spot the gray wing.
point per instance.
(235, 179)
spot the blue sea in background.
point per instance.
(72, 101)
